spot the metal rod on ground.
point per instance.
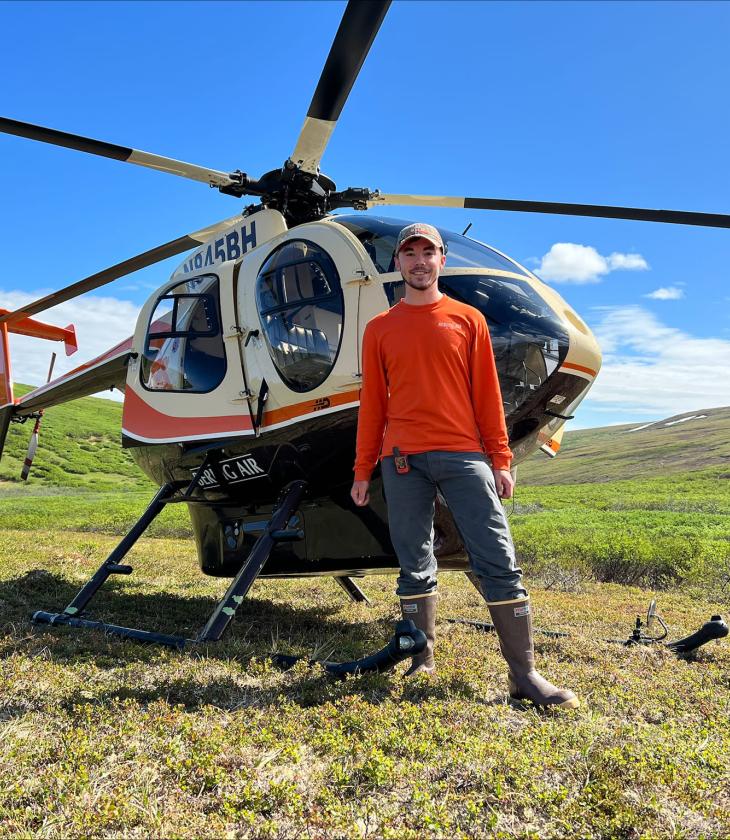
(714, 629)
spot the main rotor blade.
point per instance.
(672, 217)
(101, 278)
(110, 150)
(357, 31)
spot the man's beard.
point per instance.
(421, 287)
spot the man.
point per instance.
(430, 408)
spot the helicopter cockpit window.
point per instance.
(378, 236)
(529, 341)
(301, 307)
(184, 347)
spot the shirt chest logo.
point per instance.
(449, 325)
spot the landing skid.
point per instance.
(276, 532)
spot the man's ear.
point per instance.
(443, 260)
(397, 263)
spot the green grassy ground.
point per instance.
(79, 448)
(616, 453)
(661, 531)
(101, 737)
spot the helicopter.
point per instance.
(241, 380)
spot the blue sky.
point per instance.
(607, 103)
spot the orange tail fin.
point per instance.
(36, 329)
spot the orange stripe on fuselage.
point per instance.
(289, 412)
(573, 366)
(143, 421)
(140, 419)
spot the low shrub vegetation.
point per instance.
(103, 737)
(673, 531)
(629, 532)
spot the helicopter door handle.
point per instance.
(263, 396)
(251, 334)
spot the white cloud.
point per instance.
(666, 293)
(100, 322)
(626, 262)
(568, 262)
(652, 370)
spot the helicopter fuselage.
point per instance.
(253, 364)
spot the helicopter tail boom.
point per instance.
(104, 372)
(122, 269)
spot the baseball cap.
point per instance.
(419, 230)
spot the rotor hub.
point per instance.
(298, 195)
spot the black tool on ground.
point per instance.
(714, 629)
(406, 642)
(641, 636)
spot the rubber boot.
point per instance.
(513, 623)
(422, 612)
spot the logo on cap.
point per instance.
(419, 230)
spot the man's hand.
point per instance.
(504, 482)
(360, 494)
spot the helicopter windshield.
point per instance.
(378, 236)
(529, 341)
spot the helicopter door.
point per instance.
(300, 303)
(188, 382)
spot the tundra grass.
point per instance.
(693, 441)
(659, 532)
(101, 737)
(663, 531)
(79, 446)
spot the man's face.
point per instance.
(420, 262)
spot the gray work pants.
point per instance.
(466, 482)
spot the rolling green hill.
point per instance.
(683, 443)
(79, 448)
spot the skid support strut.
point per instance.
(276, 531)
(112, 566)
(352, 590)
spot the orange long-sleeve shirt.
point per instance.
(429, 383)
